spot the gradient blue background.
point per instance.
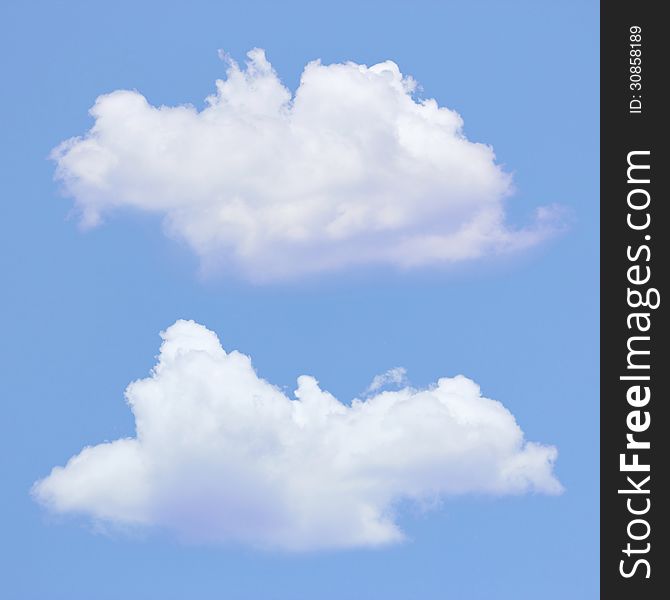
(81, 312)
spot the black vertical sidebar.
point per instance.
(635, 259)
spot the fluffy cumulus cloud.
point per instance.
(351, 169)
(220, 455)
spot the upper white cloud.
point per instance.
(351, 170)
(222, 455)
(394, 376)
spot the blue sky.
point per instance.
(83, 310)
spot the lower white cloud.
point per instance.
(221, 455)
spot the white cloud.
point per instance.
(221, 455)
(350, 170)
(394, 376)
